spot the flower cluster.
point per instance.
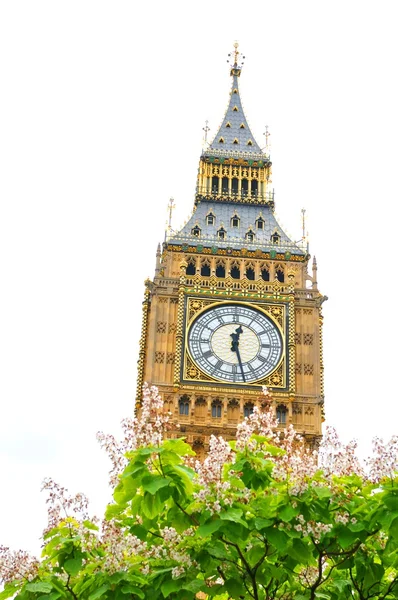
(16, 565)
(384, 462)
(145, 429)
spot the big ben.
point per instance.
(232, 306)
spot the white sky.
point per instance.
(102, 106)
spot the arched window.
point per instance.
(281, 412)
(280, 275)
(210, 219)
(275, 238)
(199, 449)
(248, 409)
(196, 231)
(235, 271)
(235, 185)
(254, 187)
(221, 233)
(233, 410)
(220, 269)
(205, 269)
(260, 223)
(245, 187)
(224, 185)
(191, 268)
(214, 184)
(250, 235)
(250, 273)
(183, 405)
(216, 409)
(265, 274)
(235, 221)
(200, 407)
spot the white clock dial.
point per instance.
(235, 343)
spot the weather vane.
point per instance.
(233, 57)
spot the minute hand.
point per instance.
(235, 348)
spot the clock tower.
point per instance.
(232, 306)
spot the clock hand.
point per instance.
(235, 347)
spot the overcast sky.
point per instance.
(102, 106)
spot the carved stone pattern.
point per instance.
(159, 357)
(161, 327)
(299, 368)
(193, 373)
(308, 339)
(144, 329)
(170, 358)
(172, 327)
(309, 410)
(308, 369)
(298, 311)
(297, 338)
(307, 311)
(173, 300)
(163, 300)
(297, 409)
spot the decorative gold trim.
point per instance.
(143, 342)
(276, 312)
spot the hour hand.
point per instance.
(235, 348)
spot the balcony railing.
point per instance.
(237, 242)
(252, 197)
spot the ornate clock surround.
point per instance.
(276, 312)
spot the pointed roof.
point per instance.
(234, 134)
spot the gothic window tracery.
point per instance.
(205, 268)
(235, 270)
(183, 405)
(250, 273)
(281, 412)
(220, 268)
(216, 409)
(265, 274)
(248, 409)
(233, 410)
(191, 267)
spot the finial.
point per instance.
(171, 206)
(233, 60)
(266, 134)
(206, 129)
(303, 221)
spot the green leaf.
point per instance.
(132, 589)
(287, 512)
(346, 537)
(322, 492)
(261, 523)
(39, 586)
(299, 551)
(170, 586)
(235, 588)
(394, 528)
(391, 501)
(195, 586)
(73, 566)
(153, 483)
(151, 505)
(278, 538)
(209, 528)
(100, 592)
(179, 447)
(8, 591)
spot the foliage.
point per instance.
(261, 517)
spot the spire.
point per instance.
(234, 134)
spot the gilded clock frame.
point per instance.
(277, 312)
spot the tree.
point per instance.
(262, 517)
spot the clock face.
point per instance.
(235, 343)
